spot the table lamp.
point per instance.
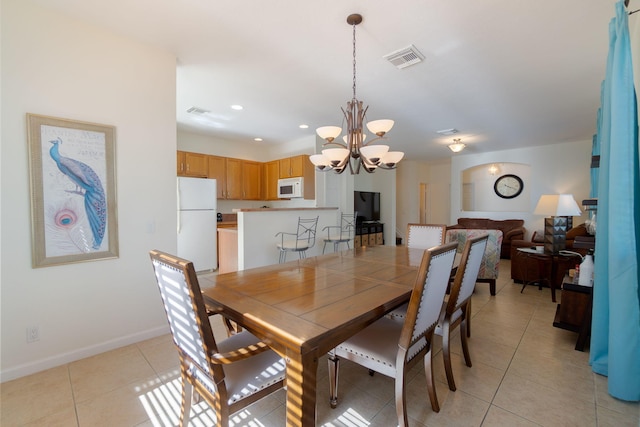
(561, 208)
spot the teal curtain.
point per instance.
(615, 337)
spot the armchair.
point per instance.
(490, 266)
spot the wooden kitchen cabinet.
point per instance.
(192, 164)
(300, 166)
(270, 182)
(234, 179)
(218, 171)
(292, 166)
(237, 179)
(251, 180)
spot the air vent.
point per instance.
(196, 110)
(448, 131)
(404, 58)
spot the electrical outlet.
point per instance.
(33, 333)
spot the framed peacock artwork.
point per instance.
(73, 191)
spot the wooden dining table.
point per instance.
(304, 308)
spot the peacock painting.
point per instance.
(89, 186)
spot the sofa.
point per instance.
(489, 268)
(512, 229)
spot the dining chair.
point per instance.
(421, 236)
(342, 233)
(300, 241)
(229, 375)
(457, 309)
(391, 345)
(425, 236)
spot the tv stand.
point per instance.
(369, 233)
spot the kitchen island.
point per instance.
(257, 229)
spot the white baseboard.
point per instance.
(81, 353)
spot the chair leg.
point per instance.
(463, 339)
(431, 385)
(283, 257)
(401, 399)
(187, 392)
(333, 361)
(324, 247)
(446, 353)
(492, 286)
(468, 317)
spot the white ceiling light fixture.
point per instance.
(354, 152)
(457, 146)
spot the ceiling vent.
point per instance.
(196, 110)
(404, 58)
(448, 131)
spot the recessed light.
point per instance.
(237, 107)
(304, 126)
(257, 139)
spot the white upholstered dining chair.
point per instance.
(391, 346)
(425, 236)
(457, 309)
(229, 375)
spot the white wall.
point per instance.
(437, 176)
(57, 66)
(555, 169)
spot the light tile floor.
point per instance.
(525, 373)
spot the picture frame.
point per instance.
(72, 177)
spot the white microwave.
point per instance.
(289, 188)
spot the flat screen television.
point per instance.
(367, 204)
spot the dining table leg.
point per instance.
(301, 389)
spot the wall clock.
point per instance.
(508, 186)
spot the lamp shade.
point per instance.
(380, 127)
(373, 153)
(456, 148)
(336, 155)
(392, 157)
(329, 132)
(557, 205)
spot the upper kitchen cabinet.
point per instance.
(300, 166)
(251, 180)
(192, 164)
(218, 171)
(292, 166)
(234, 190)
(271, 173)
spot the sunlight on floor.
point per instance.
(350, 418)
(162, 405)
(161, 402)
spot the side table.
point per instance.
(560, 263)
(574, 312)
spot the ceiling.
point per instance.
(505, 73)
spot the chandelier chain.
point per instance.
(354, 61)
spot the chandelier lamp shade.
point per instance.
(354, 152)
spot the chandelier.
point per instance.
(354, 152)
(457, 146)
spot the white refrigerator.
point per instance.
(197, 226)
